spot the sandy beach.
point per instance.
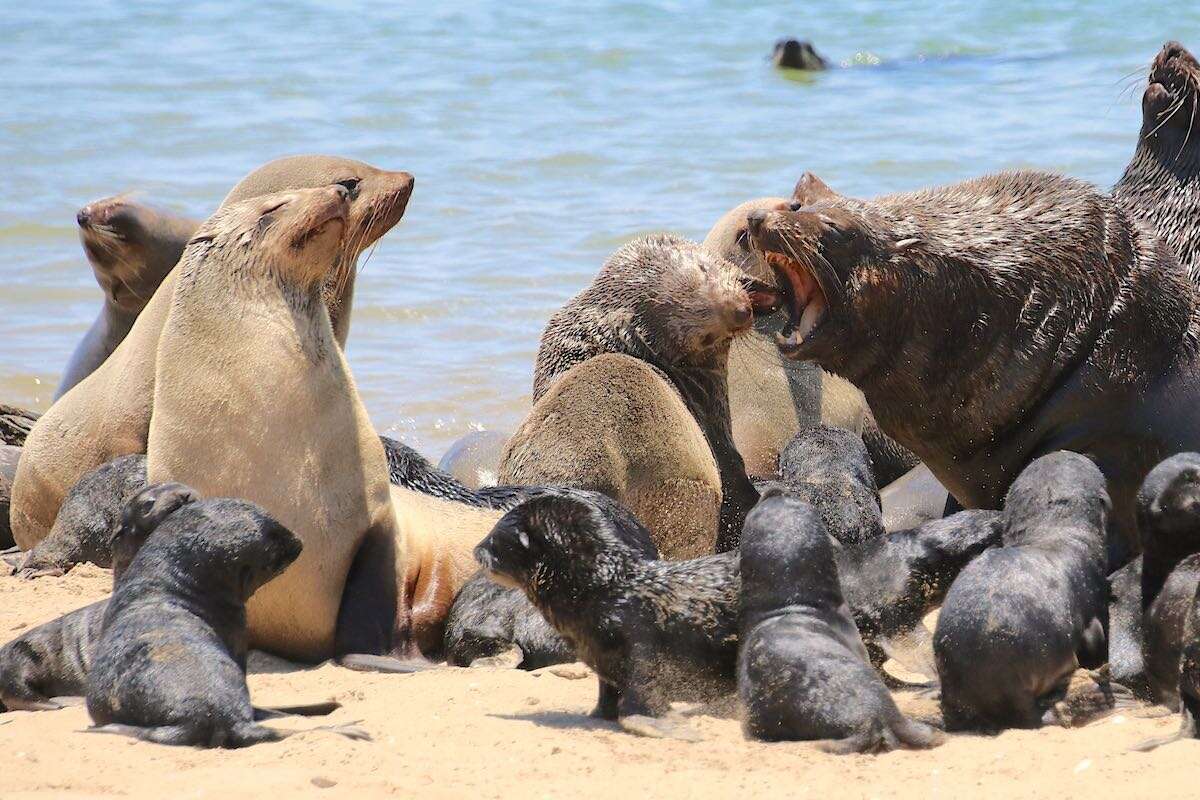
(505, 733)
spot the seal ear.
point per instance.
(809, 189)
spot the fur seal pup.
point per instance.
(1026, 322)
(409, 469)
(1169, 521)
(1020, 619)
(674, 305)
(248, 303)
(170, 666)
(108, 413)
(1161, 184)
(653, 631)
(83, 528)
(802, 669)
(795, 54)
(829, 468)
(1189, 682)
(131, 248)
(1125, 636)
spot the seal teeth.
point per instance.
(805, 298)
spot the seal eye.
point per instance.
(351, 186)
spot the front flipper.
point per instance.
(369, 614)
(302, 710)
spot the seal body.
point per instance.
(171, 662)
(1161, 184)
(1126, 664)
(829, 468)
(1021, 618)
(795, 54)
(107, 414)
(409, 469)
(1189, 673)
(1030, 354)
(802, 669)
(653, 631)
(9, 456)
(131, 248)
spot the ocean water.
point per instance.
(542, 135)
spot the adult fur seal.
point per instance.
(1020, 619)
(52, 660)
(170, 666)
(131, 248)
(248, 303)
(83, 528)
(108, 413)
(1064, 326)
(1169, 521)
(1161, 185)
(653, 631)
(675, 306)
(802, 668)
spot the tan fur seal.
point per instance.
(249, 338)
(131, 248)
(108, 413)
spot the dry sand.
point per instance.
(505, 733)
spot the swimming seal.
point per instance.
(108, 413)
(1026, 323)
(131, 248)
(1161, 184)
(653, 631)
(170, 666)
(45, 667)
(1169, 521)
(1021, 618)
(672, 304)
(795, 54)
(802, 668)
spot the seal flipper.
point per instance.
(607, 701)
(370, 611)
(1093, 652)
(303, 710)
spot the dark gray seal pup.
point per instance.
(1020, 619)
(82, 530)
(487, 620)
(170, 666)
(1126, 665)
(1067, 326)
(795, 54)
(653, 631)
(46, 666)
(1161, 184)
(830, 469)
(674, 305)
(802, 670)
(410, 469)
(1189, 682)
(1169, 521)
(131, 248)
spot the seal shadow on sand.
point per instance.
(561, 720)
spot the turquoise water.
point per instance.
(542, 137)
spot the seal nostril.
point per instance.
(83, 218)
(795, 205)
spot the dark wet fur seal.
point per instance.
(410, 469)
(803, 672)
(82, 529)
(1161, 184)
(830, 469)
(1169, 521)
(1020, 619)
(487, 619)
(1126, 665)
(676, 306)
(892, 581)
(1189, 682)
(170, 666)
(52, 660)
(654, 631)
(795, 54)
(1067, 326)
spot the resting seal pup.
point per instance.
(1161, 185)
(1169, 521)
(1189, 681)
(653, 631)
(802, 669)
(52, 660)
(794, 54)
(1020, 619)
(676, 307)
(108, 413)
(131, 248)
(170, 666)
(772, 398)
(829, 469)
(1065, 326)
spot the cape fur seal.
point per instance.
(795, 54)
(131, 248)
(1161, 184)
(829, 469)
(108, 413)
(675, 306)
(802, 669)
(1020, 619)
(170, 665)
(1064, 326)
